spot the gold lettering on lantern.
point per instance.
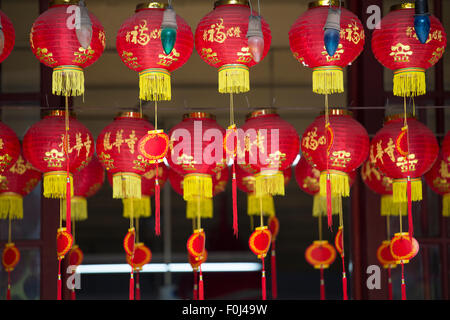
(340, 158)
(249, 182)
(443, 170)
(437, 54)
(131, 141)
(5, 160)
(337, 55)
(83, 55)
(167, 60)
(433, 35)
(352, 33)
(244, 56)
(299, 59)
(20, 167)
(130, 60)
(152, 173)
(1, 143)
(401, 52)
(311, 142)
(311, 183)
(186, 161)
(30, 185)
(140, 35)
(275, 159)
(407, 164)
(102, 38)
(45, 56)
(140, 164)
(4, 183)
(217, 32)
(106, 160)
(54, 158)
(387, 183)
(368, 170)
(210, 56)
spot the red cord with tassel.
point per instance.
(344, 279)
(410, 220)
(329, 206)
(73, 295)
(8, 290)
(195, 288)
(201, 294)
(403, 283)
(389, 284)
(59, 286)
(263, 280)
(131, 293)
(157, 203)
(138, 287)
(234, 195)
(322, 285)
(273, 264)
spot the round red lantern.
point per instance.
(139, 46)
(10, 147)
(76, 256)
(54, 41)
(320, 254)
(307, 45)
(64, 241)
(44, 148)
(396, 46)
(117, 152)
(221, 41)
(267, 147)
(438, 178)
(9, 36)
(10, 257)
(384, 255)
(259, 242)
(16, 182)
(196, 263)
(403, 247)
(142, 256)
(196, 245)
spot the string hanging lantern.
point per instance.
(55, 41)
(7, 36)
(438, 179)
(10, 259)
(259, 243)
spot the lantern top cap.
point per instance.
(405, 5)
(63, 2)
(129, 114)
(198, 114)
(320, 242)
(324, 3)
(338, 112)
(59, 113)
(397, 116)
(151, 5)
(224, 2)
(261, 112)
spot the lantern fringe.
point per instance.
(269, 184)
(197, 185)
(68, 81)
(320, 205)
(78, 208)
(340, 185)
(399, 188)
(254, 205)
(328, 80)
(206, 208)
(234, 78)
(11, 206)
(390, 208)
(154, 85)
(55, 184)
(446, 205)
(410, 82)
(126, 185)
(141, 207)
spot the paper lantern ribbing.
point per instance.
(396, 46)
(220, 40)
(117, 152)
(9, 36)
(44, 148)
(53, 40)
(307, 45)
(438, 178)
(10, 147)
(139, 46)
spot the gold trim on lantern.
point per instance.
(398, 116)
(269, 182)
(409, 82)
(338, 112)
(68, 81)
(399, 188)
(199, 114)
(137, 208)
(400, 6)
(63, 2)
(151, 5)
(324, 3)
(59, 113)
(254, 205)
(200, 206)
(225, 2)
(340, 185)
(129, 114)
(78, 207)
(260, 112)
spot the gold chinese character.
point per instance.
(437, 54)
(244, 56)
(54, 158)
(131, 141)
(130, 60)
(311, 142)
(210, 56)
(167, 60)
(83, 55)
(337, 55)
(401, 52)
(407, 164)
(340, 158)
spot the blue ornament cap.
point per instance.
(168, 39)
(331, 39)
(422, 26)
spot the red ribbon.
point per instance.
(157, 203)
(138, 287)
(410, 220)
(201, 295)
(59, 287)
(403, 283)
(273, 264)
(344, 279)
(234, 190)
(195, 289)
(329, 207)
(263, 280)
(389, 284)
(8, 290)
(131, 293)
(73, 295)
(322, 285)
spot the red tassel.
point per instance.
(73, 295)
(235, 215)
(389, 284)
(344, 280)
(263, 281)
(68, 206)
(273, 264)
(195, 290)
(138, 287)
(201, 295)
(131, 293)
(403, 283)
(157, 204)
(322, 285)
(8, 290)
(410, 220)
(329, 207)
(59, 287)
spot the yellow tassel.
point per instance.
(320, 205)
(390, 208)
(206, 208)
(68, 81)
(197, 185)
(234, 78)
(269, 183)
(254, 205)
(340, 185)
(11, 206)
(55, 184)
(410, 82)
(126, 185)
(399, 188)
(328, 80)
(446, 205)
(78, 209)
(141, 207)
(154, 85)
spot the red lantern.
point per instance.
(196, 245)
(117, 152)
(139, 46)
(10, 259)
(76, 256)
(385, 256)
(129, 242)
(320, 254)
(10, 147)
(307, 45)
(396, 46)
(9, 36)
(142, 256)
(44, 148)
(196, 263)
(438, 178)
(403, 249)
(17, 181)
(54, 42)
(221, 41)
(268, 147)
(259, 242)
(404, 150)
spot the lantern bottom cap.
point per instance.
(68, 81)
(328, 80)
(55, 184)
(154, 85)
(409, 82)
(137, 208)
(234, 78)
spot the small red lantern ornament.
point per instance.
(220, 40)
(404, 150)
(129, 242)
(320, 254)
(54, 41)
(64, 243)
(139, 46)
(438, 178)
(10, 259)
(10, 151)
(396, 46)
(196, 268)
(76, 257)
(197, 255)
(117, 152)
(388, 262)
(8, 38)
(307, 45)
(142, 256)
(259, 243)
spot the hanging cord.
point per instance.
(328, 181)
(408, 182)
(201, 292)
(72, 292)
(131, 288)
(233, 181)
(263, 280)
(344, 275)
(199, 223)
(273, 273)
(9, 228)
(66, 150)
(261, 222)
